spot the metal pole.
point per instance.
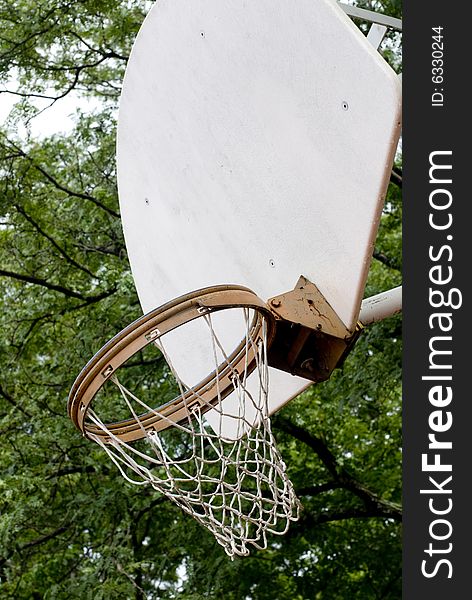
(371, 17)
(379, 307)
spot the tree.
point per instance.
(69, 525)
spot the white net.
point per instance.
(234, 485)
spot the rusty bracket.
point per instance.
(306, 305)
(311, 340)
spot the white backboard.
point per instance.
(255, 143)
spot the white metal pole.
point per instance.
(370, 16)
(379, 307)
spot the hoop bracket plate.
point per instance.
(306, 305)
(311, 340)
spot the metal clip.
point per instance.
(152, 335)
(107, 372)
(203, 310)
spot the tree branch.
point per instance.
(373, 503)
(310, 440)
(59, 186)
(91, 300)
(385, 593)
(70, 192)
(31, 328)
(111, 250)
(6, 396)
(309, 520)
(69, 259)
(33, 543)
(44, 538)
(74, 470)
(104, 53)
(396, 177)
(140, 514)
(58, 288)
(387, 261)
(42, 283)
(16, 45)
(144, 363)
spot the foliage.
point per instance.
(70, 527)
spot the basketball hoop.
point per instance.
(235, 485)
(255, 179)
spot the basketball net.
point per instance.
(235, 487)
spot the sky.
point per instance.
(56, 119)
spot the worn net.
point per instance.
(232, 480)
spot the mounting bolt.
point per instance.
(275, 303)
(308, 365)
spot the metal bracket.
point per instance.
(371, 16)
(376, 35)
(310, 339)
(306, 305)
